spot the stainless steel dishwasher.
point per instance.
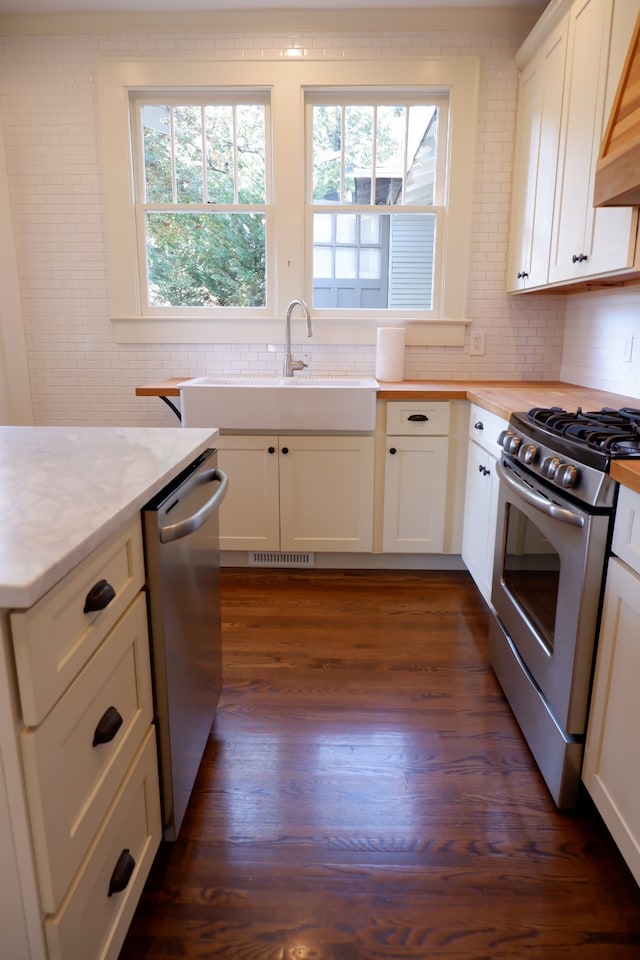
(180, 527)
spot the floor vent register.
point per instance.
(275, 558)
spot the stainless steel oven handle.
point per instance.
(183, 528)
(540, 503)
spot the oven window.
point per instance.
(531, 572)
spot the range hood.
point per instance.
(617, 182)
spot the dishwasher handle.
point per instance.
(176, 531)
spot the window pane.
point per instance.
(346, 228)
(209, 259)
(188, 138)
(346, 262)
(156, 126)
(390, 150)
(389, 264)
(369, 228)
(322, 263)
(412, 250)
(421, 160)
(369, 264)
(250, 121)
(326, 153)
(219, 140)
(358, 154)
(322, 228)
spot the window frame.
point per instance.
(227, 96)
(289, 242)
(380, 96)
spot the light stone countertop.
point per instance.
(63, 490)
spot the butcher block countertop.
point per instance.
(501, 397)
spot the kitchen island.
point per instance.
(70, 506)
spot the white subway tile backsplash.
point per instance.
(79, 375)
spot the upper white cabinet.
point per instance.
(570, 69)
(537, 142)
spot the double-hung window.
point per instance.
(233, 188)
(200, 172)
(375, 175)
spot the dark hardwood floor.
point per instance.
(366, 794)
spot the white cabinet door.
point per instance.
(326, 493)
(612, 764)
(250, 512)
(585, 242)
(480, 512)
(415, 494)
(537, 142)
(297, 493)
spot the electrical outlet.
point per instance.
(476, 344)
(627, 350)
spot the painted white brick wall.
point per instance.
(79, 375)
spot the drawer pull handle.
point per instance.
(418, 417)
(121, 873)
(108, 725)
(99, 597)
(478, 425)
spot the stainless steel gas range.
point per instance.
(555, 518)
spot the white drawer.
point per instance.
(55, 638)
(485, 428)
(70, 782)
(626, 530)
(418, 418)
(90, 923)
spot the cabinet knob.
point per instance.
(271, 449)
(478, 425)
(99, 597)
(392, 450)
(121, 873)
(579, 258)
(522, 275)
(108, 725)
(285, 450)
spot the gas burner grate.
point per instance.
(615, 433)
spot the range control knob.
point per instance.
(549, 467)
(511, 442)
(527, 453)
(566, 475)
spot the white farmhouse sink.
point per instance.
(303, 402)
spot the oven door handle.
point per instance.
(540, 503)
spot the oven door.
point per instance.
(547, 580)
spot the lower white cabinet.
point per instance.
(611, 769)
(297, 493)
(481, 496)
(415, 476)
(88, 748)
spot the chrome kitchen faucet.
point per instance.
(289, 363)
